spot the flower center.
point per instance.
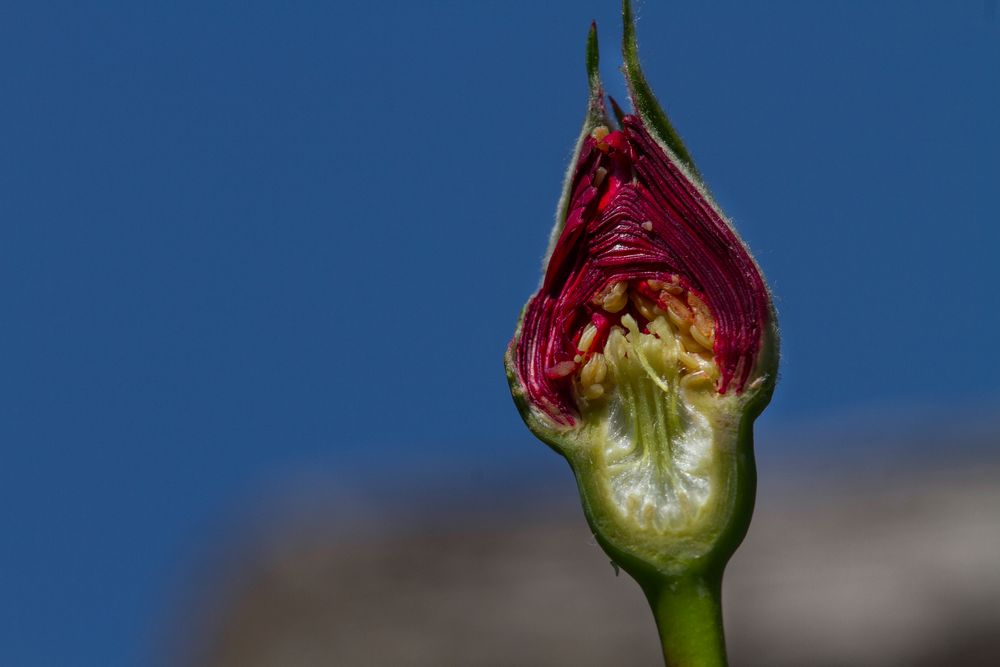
(639, 239)
(663, 309)
(644, 378)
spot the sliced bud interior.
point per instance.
(641, 341)
(654, 421)
(640, 237)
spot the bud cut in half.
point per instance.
(650, 345)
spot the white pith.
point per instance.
(655, 438)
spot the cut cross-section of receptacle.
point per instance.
(644, 377)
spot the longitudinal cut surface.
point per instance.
(639, 236)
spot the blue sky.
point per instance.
(243, 242)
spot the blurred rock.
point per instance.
(900, 568)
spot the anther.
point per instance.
(689, 343)
(560, 370)
(644, 306)
(599, 176)
(702, 317)
(694, 379)
(674, 286)
(700, 337)
(612, 299)
(598, 134)
(594, 371)
(692, 362)
(587, 338)
(677, 310)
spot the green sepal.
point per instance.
(646, 105)
(596, 116)
(559, 438)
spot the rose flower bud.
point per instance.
(644, 357)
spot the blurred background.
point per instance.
(260, 261)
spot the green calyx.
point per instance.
(646, 105)
(596, 116)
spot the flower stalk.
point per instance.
(644, 357)
(688, 615)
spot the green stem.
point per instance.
(688, 612)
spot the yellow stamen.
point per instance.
(594, 371)
(613, 299)
(587, 338)
(674, 286)
(701, 338)
(599, 176)
(598, 134)
(678, 311)
(645, 307)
